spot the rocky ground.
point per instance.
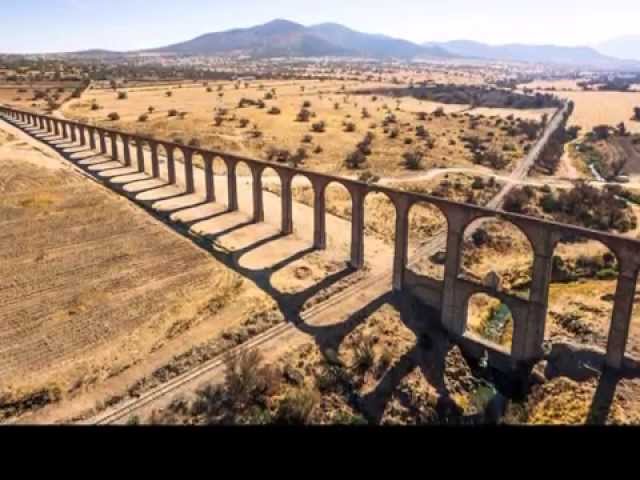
(382, 370)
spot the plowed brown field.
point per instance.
(89, 284)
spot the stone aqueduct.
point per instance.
(450, 295)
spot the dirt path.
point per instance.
(567, 169)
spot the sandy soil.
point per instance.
(85, 296)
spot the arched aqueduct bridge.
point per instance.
(450, 295)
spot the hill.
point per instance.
(572, 56)
(622, 47)
(290, 39)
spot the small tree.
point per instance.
(622, 129)
(355, 160)
(601, 132)
(636, 114)
(173, 112)
(304, 115)
(151, 109)
(169, 94)
(274, 111)
(143, 118)
(113, 116)
(318, 127)
(349, 127)
(122, 95)
(421, 132)
(413, 159)
(439, 112)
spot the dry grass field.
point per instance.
(26, 96)
(84, 295)
(603, 108)
(253, 131)
(561, 85)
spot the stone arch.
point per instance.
(490, 319)
(220, 184)
(272, 183)
(244, 184)
(113, 146)
(162, 167)
(584, 280)
(499, 252)
(178, 161)
(188, 169)
(338, 205)
(231, 164)
(380, 216)
(139, 148)
(92, 139)
(303, 192)
(426, 223)
(73, 132)
(103, 141)
(125, 144)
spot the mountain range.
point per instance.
(283, 38)
(622, 47)
(571, 56)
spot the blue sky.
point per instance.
(68, 25)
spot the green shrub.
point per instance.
(296, 408)
(303, 115)
(413, 159)
(355, 160)
(549, 203)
